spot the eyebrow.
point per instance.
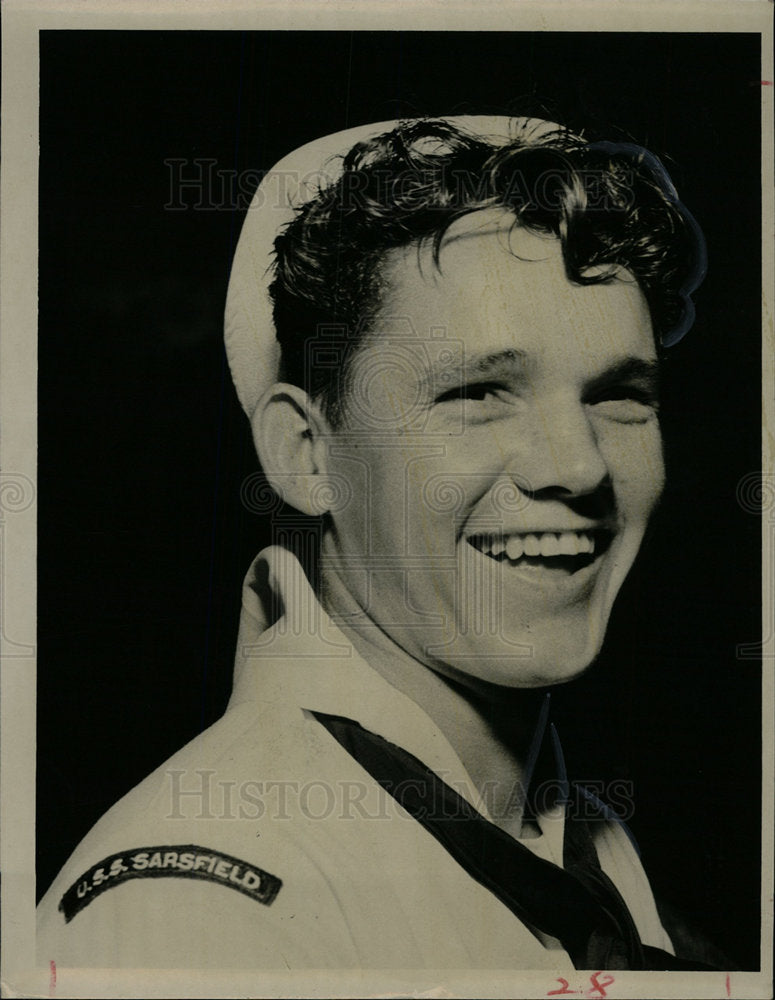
(627, 369)
(634, 370)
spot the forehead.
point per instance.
(496, 286)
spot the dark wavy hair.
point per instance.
(610, 204)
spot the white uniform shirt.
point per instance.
(264, 844)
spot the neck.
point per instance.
(493, 731)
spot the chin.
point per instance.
(555, 668)
(548, 665)
(534, 660)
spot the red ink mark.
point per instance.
(766, 83)
(52, 979)
(729, 992)
(564, 990)
(599, 988)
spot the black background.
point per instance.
(143, 540)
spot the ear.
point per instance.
(290, 435)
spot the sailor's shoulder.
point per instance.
(190, 859)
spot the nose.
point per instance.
(558, 453)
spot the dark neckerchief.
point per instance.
(577, 904)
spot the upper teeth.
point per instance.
(549, 543)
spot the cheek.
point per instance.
(403, 501)
(636, 464)
(441, 490)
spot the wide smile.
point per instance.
(554, 553)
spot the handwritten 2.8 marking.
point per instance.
(597, 989)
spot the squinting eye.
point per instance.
(627, 406)
(475, 391)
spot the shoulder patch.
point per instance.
(169, 861)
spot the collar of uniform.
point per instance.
(291, 656)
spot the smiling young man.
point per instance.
(451, 372)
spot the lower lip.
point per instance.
(550, 583)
